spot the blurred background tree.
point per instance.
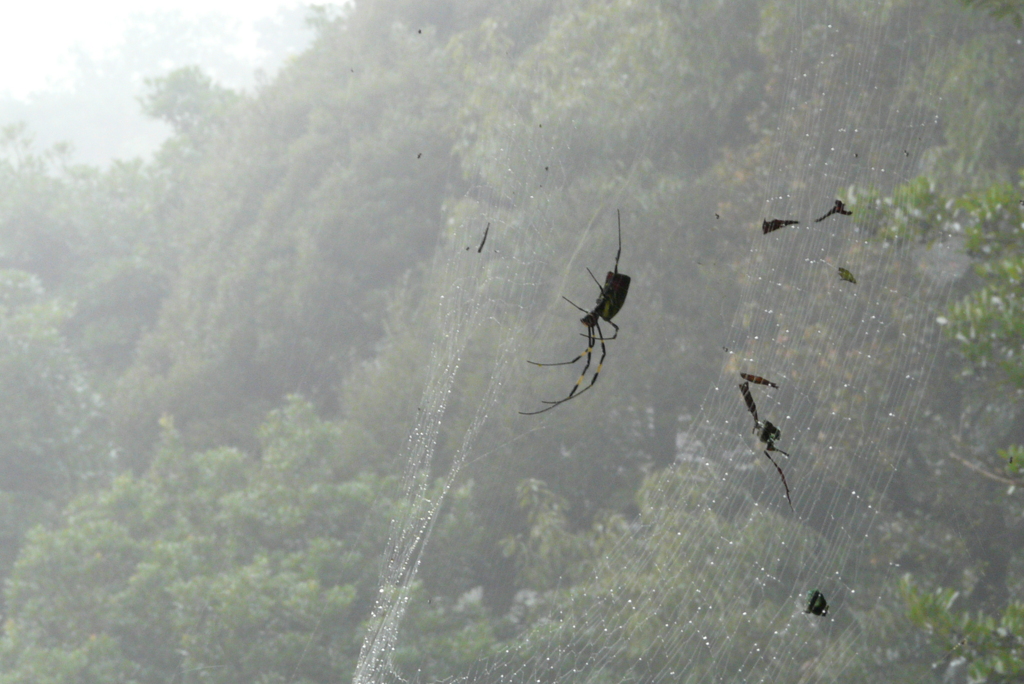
(161, 317)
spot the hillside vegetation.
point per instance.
(211, 358)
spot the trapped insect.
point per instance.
(766, 431)
(609, 301)
(758, 380)
(837, 208)
(773, 225)
(816, 603)
(481, 247)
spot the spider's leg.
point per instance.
(604, 350)
(568, 363)
(579, 381)
(745, 391)
(618, 217)
(616, 331)
(575, 304)
(783, 476)
(586, 352)
(590, 355)
(599, 285)
(560, 363)
(774, 448)
(553, 404)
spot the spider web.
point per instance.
(538, 247)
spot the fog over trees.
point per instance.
(219, 298)
(94, 108)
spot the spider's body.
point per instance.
(609, 301)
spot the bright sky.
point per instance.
(35, 38)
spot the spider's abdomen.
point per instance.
(613, 296)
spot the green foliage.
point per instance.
(914, 211)
(550, 551)
(188, 100)
(55, 439)
(670, 590)
(218, 563)
(297, 219)
(989, 322)
(280, 243)
(94, 240)
(568, 75)
(52, 427)
(1000, 9)
(1014, 457)
(975, 87)
(992, 646)
(989, 223)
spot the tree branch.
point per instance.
(984, 472)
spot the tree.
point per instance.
(220, 563)
(188, 100)
(293, 238)
(55, 439)
(93, 238)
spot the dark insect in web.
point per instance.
(847, 276)
(758, 380)
(481, 247)
(767, 433)
(816, 603)
(609, 301)
(769, 226)
(837, 208)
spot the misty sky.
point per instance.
(76, 72)
(38, 38)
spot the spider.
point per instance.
(766, 432)
(609, 301)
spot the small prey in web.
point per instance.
(481, 247)
(766, 431)
(837, 208)
(758, 380)
(816, 603)
(846, 275)
(773, 225)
